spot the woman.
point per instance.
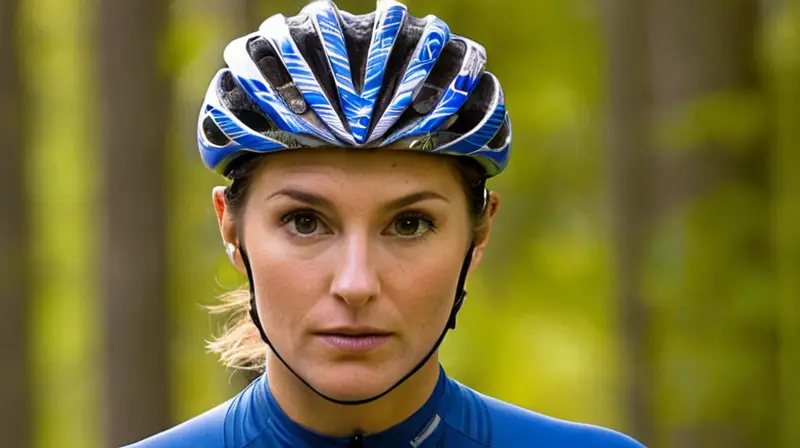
(358, 149)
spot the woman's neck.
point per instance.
(308, 409)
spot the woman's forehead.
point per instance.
(359, 166)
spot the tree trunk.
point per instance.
(630, 175)
(713, 187)
(134, 112)
(15, 297)
(784, 67)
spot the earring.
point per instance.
(230, 249)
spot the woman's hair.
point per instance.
(239, 346)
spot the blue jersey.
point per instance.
(455, 416)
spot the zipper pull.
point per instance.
(357, 441)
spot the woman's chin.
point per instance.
(352, 382)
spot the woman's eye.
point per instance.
(411, 226)
(303, 224)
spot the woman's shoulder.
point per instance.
(508, 425)
(233, 423)
(204, 431)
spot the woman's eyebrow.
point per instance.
(413, 198)
(305, 197)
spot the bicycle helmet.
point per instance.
(327, 78)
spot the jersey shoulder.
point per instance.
(494, 423)
(236, 423)
(204, 431)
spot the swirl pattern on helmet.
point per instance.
(258, 106)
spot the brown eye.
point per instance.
(407, 226)
(304, 224)
(411, 226)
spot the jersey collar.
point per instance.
(420, 427)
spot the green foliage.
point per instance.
(783, 48)
(67, 333)
(731, 121)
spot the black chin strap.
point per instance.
(461, 294)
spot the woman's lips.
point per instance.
(354, 343)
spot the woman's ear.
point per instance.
(227, 228)
(485, 229)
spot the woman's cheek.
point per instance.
(287, 286)
(426, 286)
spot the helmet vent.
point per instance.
(430, 92)
(403, 48)
(242, 106)
(213, 133)
(444, 71)
(500, 138)
(310, 46)
(474, 110)
(271, 67)
(357, 38)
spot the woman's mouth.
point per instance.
(354, 339)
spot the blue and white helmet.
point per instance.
(326, 78)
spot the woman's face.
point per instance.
(355, 258)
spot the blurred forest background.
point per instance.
(644, 273)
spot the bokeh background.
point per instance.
(644, 273)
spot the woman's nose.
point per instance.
(356, 279)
